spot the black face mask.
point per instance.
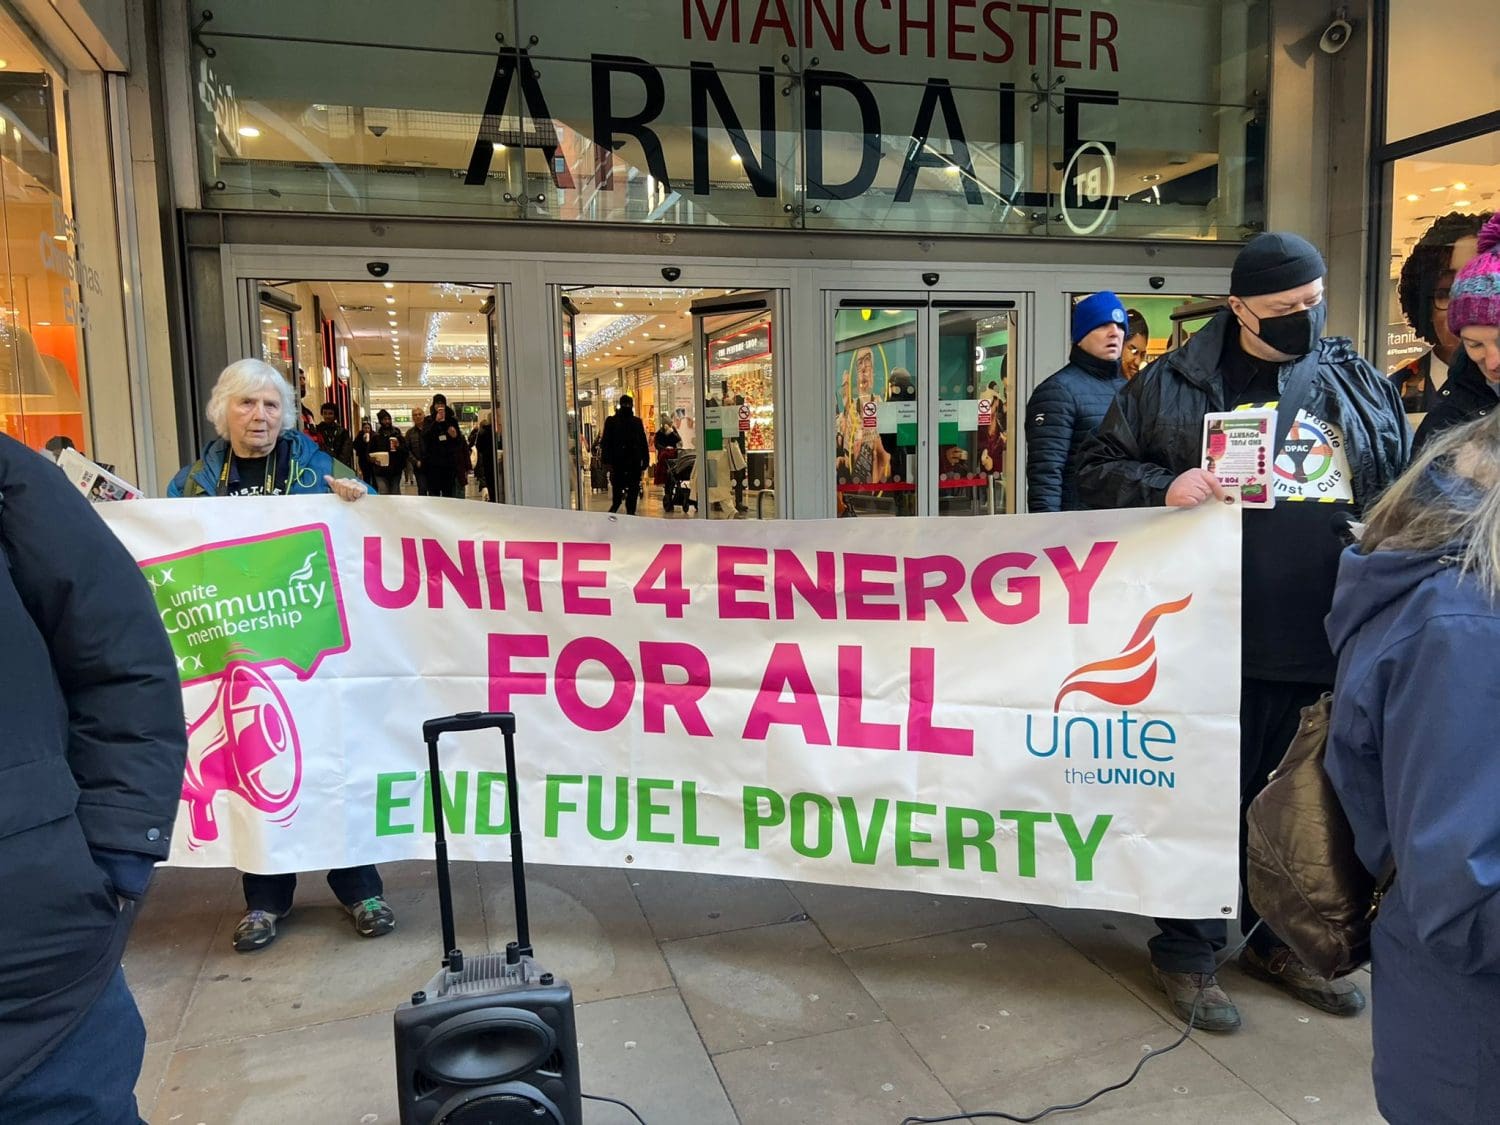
(1295, 334)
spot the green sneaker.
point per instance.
(257, 929)
(372, 917)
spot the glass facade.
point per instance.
(1438, 189)
(45, 289)
(962, 116)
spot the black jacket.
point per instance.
(92, 745)
(623, 443)
(1466, 395)
(1060, 415)
(337, 442)
(1154, 431)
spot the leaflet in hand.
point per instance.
(1237, 450)
(94, 481)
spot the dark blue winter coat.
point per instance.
(1060, 416)
(92, 743)
(1412, 753)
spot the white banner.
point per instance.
(1033, 708)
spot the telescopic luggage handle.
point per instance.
(432, 730)
(469, 720)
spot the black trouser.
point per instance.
(627, 487)
(422, 487)
(352, 885)
(1269, 714)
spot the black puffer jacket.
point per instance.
(1060, 415)
(92, 743)
(1466, 395)
(1154, 431)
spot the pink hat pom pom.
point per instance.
(1489, 237)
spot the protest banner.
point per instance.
(1040, 709)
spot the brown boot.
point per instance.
(1286, 972)
(1197, 998)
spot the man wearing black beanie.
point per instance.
(1346, 441)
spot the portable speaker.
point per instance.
(490, 1040)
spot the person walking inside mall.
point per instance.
(415, 449)
(625, 451)
(1347, 442)
(1070, 403)
(1472, 317)
(260, 452)
(92, 745)
(337, 442)
(387, 455)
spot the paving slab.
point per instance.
(1184, 1087)
(586, 926)
(645, 1051)
(981, 1006)
(756, 987)
(856, 1076)
(856, 918)
(148, 1084)
(682, 905)
(343, 1071)
(169, 942)
(319, 969)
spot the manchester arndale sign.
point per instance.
(955, 76)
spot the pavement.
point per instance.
(709, 1000)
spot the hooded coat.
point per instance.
(92, 745)
(1411, 754)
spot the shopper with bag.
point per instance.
(1411, 754)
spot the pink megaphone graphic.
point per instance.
(245, 743)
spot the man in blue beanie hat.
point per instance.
(1341, 439)
(1070, 403)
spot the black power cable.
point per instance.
(616, 1101)
(997, 1115)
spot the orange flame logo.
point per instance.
(1137, 661)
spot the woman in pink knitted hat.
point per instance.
(1474, 317)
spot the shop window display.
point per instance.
(44, 289)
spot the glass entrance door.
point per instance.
(924, 388)
(737, 349)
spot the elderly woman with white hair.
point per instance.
(261, 452)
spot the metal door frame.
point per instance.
(929, 305)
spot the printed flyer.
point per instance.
(1237, 450)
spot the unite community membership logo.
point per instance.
(1117, 749)
(234, 611)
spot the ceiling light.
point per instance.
(661, 326)
(249, 131)
(1462, 202)
(1460, 186)
(390, 285)
(736, 159)
(1413, 198)
(498, 147)
(3, 64)
(40, 323)
(390, 300)
(619, 304)
(1440, 187)
(265, 320)
(59, 238)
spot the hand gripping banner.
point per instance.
(1040, 709)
